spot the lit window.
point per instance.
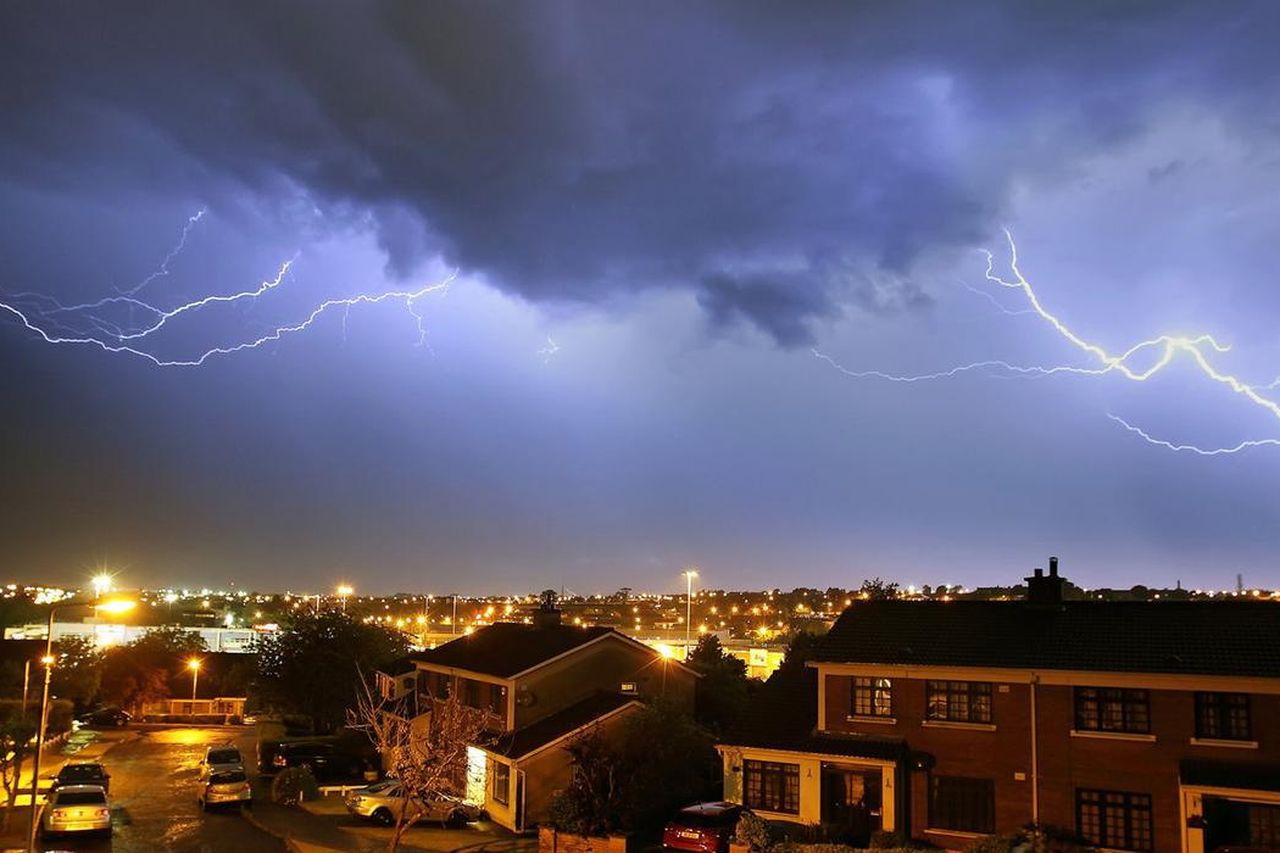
(771, 786)
(872, 697)
(958, 701)
(627, 687)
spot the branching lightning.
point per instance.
(80, 325)
(1138, 363)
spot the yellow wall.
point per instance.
(810, 781)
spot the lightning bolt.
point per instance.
(35, 312)
(547, 352)
(1158, 353)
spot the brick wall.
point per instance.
(552, 841)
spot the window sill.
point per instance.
(879, 721)
(956, 724)
(1220, 742)
(1129, 736)
(954, 833)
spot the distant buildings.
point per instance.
(1149, 726)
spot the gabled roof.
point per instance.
(1180, 637)
(784, 715)
(504, 649)
(552, 728)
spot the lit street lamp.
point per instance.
(689, 575)
(194, 666)
(344, 591)
(116, 606)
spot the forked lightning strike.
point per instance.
(112, 338)
(1162, 350)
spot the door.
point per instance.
(851, 802)
(519, 820)
(1230, 824)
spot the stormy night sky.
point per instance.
(669, 223)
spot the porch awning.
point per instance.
(1241, 775)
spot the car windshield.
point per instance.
(81, 771)
(227, 777)
(224, 756)
(82, 798)
(703, 819)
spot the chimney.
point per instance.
(1045, 589)
(548, 613)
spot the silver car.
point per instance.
(76, 808)
(384, 802)
(221, 787)
(221, 758)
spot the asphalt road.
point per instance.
(153, 798)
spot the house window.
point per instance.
(471, 693)
(501, 783)
(872, 697)
(1114, 819)
(1222, 716)
(1112, 709)
(966, 805)
(771, 786)
(1264, 827)
(958, 701)
(498, 699)
(627, 687)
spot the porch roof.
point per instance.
(552, 728)
(1247, 776)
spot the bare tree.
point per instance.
(426, 754)
(15, 746)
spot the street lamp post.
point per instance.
(194, 666)
(689, 575)
(26, 683)
(109, 606)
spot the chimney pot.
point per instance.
(1053, 567)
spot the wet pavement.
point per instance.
(153, 798)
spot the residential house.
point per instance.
(1149, 726)
(543, 684)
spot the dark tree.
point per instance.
(722, 692)
(878, 590)
(313, 666)
(139, 672)
(800, 650)
(78, 674)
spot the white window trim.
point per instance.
(1130, 736)
(879, 721)
(957, 724)
(1223, 742)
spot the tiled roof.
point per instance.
(507, 648)
(550, 729)
(1182, 637)
(784, 715)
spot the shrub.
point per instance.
(753, 831)
(882, 839)
(1031, 839)
(293, 785)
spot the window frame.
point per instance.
(505, 798)
(948, 712)
(778, 787)
(1129, 807)
(1220, 703)
(871, 697)
(961, 816)
(1095, 709)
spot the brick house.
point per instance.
(543, 684)
(1148, 726)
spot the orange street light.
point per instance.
(194, 665)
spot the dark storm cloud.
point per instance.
(572, 151)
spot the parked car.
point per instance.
(702, 828)
(82, 773)
(384, 802)
(116, 717)
(220, 787)
(221, 758)
(76, 809)
(324, 760)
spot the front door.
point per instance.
(1231, 823)
(851, 802)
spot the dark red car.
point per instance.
(702, 828)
